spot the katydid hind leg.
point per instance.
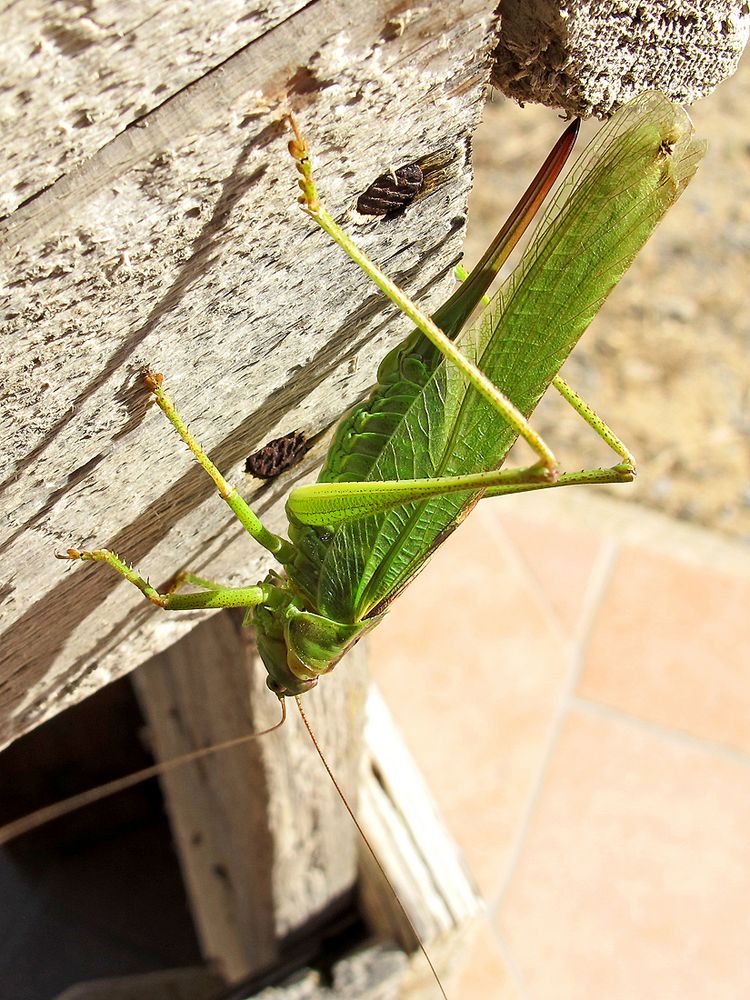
(331, 504)
(622, 472)
(312, 205)
(334, 503)
(594, 421)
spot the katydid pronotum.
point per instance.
(410, 462)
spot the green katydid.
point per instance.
(410, 462)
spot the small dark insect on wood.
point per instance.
(390, 193)
(277, 456)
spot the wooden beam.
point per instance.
(153, 223)
(373, 973)
(417, 855)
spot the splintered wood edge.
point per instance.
(374, 973)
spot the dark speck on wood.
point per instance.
(277, 456)
(391, 193)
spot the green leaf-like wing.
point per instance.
(428, 421)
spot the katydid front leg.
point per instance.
(215, 596)
(212, 594)
(276, 545)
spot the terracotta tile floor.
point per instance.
(573, 677)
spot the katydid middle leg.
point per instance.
(184, 577)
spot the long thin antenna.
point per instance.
(369, 846)
(47, 813)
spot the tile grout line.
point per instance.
(680, 737)
(571, 646)
(515, 552)
(600, 576)
(509, 960)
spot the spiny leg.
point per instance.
(236, 594)
(594, 421)
(330, 504)
(334, 503)
(184, 577)
(586, 477)
(343, 501)
(212, 594)
(623, 472)
(216, 596)
(497, 399)
(250, 522)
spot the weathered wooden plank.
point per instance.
(373, 973)
(75, 76)
(417, 854)
(265, 845)
(197, 983)
(177, 245)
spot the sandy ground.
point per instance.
(666, 363)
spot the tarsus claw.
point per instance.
(70, 554)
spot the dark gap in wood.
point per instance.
(98, 892)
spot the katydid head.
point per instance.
(296, 645)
